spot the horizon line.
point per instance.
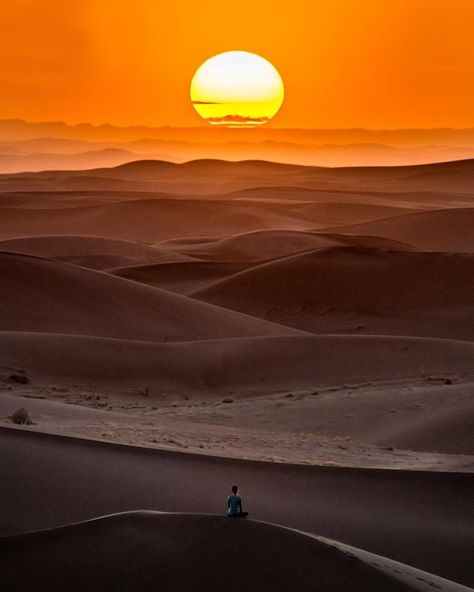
(208, 127)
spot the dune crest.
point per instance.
(52, 297)
(167, 550)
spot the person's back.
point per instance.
(234, 504)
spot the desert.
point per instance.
(173, 328)
(236, 296)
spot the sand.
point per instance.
(313, 563)
(89, 558)
(438, 230)
(182, 277)
(418, 517)
(92, 252)
(357, 290)
(305, 331)
(43, 296)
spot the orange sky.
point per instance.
(345, 63)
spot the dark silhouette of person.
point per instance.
(234, 504)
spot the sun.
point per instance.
(237, 89)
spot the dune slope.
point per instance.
(255, 365)
(159, 219)
(149, 550)
(348, 289)
(181, 277)
(47, 296)
(95, 252)
(437, 230)
(213, 175)
(259, 245)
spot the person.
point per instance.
(234, 504)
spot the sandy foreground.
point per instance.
(423, 518)
(291, 427)
(307, 332)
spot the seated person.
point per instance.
(234, 504)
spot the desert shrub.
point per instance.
(21, 417)
(19, 378)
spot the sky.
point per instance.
(379, 64)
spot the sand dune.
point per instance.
(439, 230)
(180, 277)
(78, 202)
(451, 176)
(243, 365)
(48, 198)
(264, 427)
(167, 551)
(70, 181)
(225, 258)
(94, 252)
(430, 413)
(421, 580)
(251, 309)
(407, 199)
(264, 245)
(154, 220)
(260, 245)
(418, 517)
(322, 250)
(367, 242)
(45, 296)
(448, 429)
(218, 176)
(346, 290)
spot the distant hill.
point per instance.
(26, 146)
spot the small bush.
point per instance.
(19, 378)
(21, 417)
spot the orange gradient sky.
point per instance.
(345, 63)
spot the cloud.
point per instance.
(208, 103)
(237, 119)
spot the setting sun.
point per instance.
(237, 88)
